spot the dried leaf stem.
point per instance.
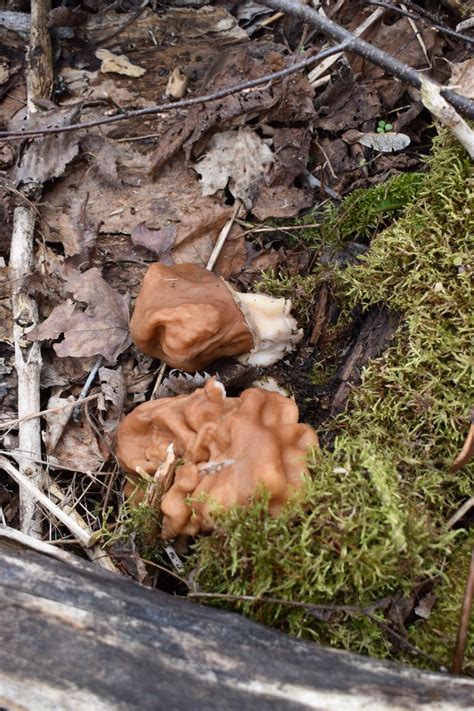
(461, 639)
(318, 608)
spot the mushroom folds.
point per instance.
(189, 317)
(229, 446)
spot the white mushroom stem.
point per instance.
(275, 332)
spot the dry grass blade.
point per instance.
(461, 639)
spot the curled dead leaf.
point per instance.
(99, 329)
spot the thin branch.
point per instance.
(27, 485)
(183, 103)
(8, 424)
(373, 54)
(461, 639)
(418, 16)
(310, 607)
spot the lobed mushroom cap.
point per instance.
(187, 317)
(230, 447)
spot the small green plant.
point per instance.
(384, 127)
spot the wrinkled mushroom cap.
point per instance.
(231, 447)
(187, 317)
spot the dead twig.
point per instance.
(427, 21)
(461, 639)
(373, 54)
(183, 103)
(126, 24)
(28, 362)
(8, 424)
(321, 609)
(26, 484)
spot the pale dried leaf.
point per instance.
(118, 64)
(78, 448)
(237, 158)
(385, 142)
(56, 421)
(47, 157)
(178, 383)
(425, 605)
(114, 389)
(462, 78)
(157, 241)
(100, 329)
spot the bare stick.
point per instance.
(461, 639)
(8, 424)
(326, 64)
(447, 115)
(95, 553)
(364, 49)
(222, 238)
(28, 361)
(27, 485)
(39, 75)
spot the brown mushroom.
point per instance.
(188, 317)
(230, 446)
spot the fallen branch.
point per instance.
(28, 361)
(321, 609)
(447, 115)
(183, 103)
(8, 424)
(36, 495)
(461, 639)
(373, 54)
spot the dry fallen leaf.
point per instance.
(157, 241)
(56, 421)
(47, 157)
(114, 388)
(100, 329)
(118, 64)
(462, 78)
(237, 158)
(385, 142)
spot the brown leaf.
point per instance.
(237, 158)
(159, 241)
(100, 329)
(115, 390)
(56, 421)
(462, 78)
(281, 201)
(78, 448)
(47, 157)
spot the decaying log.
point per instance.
(76, 637)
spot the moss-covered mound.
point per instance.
(372, 521)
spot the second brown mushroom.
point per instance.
(229, 446)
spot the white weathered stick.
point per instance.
(447, 114)
(39, 79)
(222, 238)
(27, 363)
(26, 484)
(327, 63)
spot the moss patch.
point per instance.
(371, 520)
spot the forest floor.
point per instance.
(341, 193)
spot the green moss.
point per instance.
(300, 289)
(371, 520)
